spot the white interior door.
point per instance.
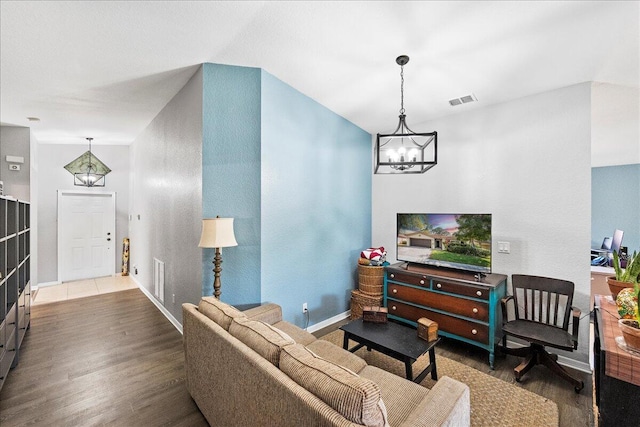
(86, 235)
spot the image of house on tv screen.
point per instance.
(460, 241)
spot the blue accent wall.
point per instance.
(231, 175)
(297, 179)
(316, 203)
(615, 203)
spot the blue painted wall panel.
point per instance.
(231, 175)
(316, 203)
(615, 203)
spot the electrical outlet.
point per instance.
(304, 307)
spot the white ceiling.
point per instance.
(105, 69)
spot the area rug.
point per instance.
(493, 402)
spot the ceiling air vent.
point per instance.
(462, 100)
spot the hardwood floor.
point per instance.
(112, 359)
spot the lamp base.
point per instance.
(217, 260)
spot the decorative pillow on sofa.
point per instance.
(356, 398)
(219, 312)
(261, 337)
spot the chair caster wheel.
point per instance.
(580, 387)
(518, 380)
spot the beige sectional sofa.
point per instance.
(252, 368)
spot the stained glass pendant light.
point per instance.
(88, 170)
(405, 151)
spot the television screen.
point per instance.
(460, 241)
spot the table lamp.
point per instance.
(217, 233)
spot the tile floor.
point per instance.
(82, 288)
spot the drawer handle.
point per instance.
(422, 282)
(479, 293)
(393, 307)
(474, 331)
(392, 275)
(438, 286)
(395, 291)
(475, 310)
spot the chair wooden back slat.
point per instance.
(543, 299)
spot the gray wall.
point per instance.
(53, 177)
(15, 141)
(166, 198)
(528, 162)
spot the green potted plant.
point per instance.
(630, 313)
(625, 277)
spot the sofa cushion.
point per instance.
(298, 334)
(356, 398)
(268, 312)
(337, 355)
(219, 312)
(399, 393)
(261, 337)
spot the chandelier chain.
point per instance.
(90, 165)
(401, 89)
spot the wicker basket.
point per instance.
(370, 279)
(359, 300)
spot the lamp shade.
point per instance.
(217, 233)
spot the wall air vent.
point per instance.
(463, 100)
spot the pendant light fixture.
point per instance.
(405, 151)
(88, 170)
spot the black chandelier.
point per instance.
(405, 151)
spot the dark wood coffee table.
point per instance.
(394, 340)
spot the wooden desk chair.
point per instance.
(542, 309)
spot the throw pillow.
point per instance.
(219, 312)
(356, 398)
(261, 337)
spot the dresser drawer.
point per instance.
(453, 325)
(418, 280)
(461, 289)
(464, 307)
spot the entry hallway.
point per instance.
(82, 288)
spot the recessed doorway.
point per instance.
(86, 235)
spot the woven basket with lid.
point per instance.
(370, 279)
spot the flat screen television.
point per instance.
(458, 241)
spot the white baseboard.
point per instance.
(161, 307)
(329, 322)
(45, 284)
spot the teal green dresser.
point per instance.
(465, 308)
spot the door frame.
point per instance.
(112, 196)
